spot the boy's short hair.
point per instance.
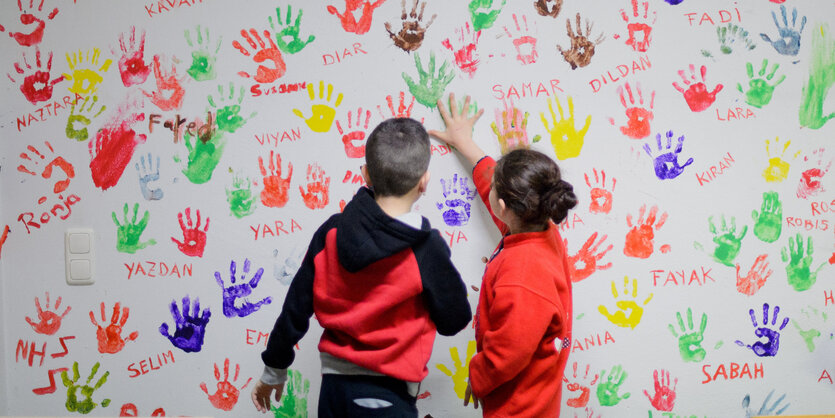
(397, 155)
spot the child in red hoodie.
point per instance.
(523, 319)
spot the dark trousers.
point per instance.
(350, 396)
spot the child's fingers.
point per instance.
(453, 107)
(442, 109)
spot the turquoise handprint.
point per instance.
(429, 87)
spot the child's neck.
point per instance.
(395, 206)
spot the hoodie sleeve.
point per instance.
(483, 179)
(443, 290)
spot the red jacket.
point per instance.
(523, 317)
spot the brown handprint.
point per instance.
(583, 386)
(36, 85)
(263, 74)
(226, 395)
(48, 321)
(28, 18)
(276, 187)
(756, 277)
(639, 239)
(411, 34)
(541, 7)
(318, 185)
(110, 338)
(194, 240)
(169, 94)
(351, 150)
(601, 198)
(582, 48)
(37, 158)
(584, 263)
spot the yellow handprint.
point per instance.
(619, 318)
(82, 71)
(565, 138)
(462, 373)
(778, 169)
(323, 114)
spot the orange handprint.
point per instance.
(756, 277)
(601, 198)
(226, 395)
(584, 263)
(348, 18)
(37, 158)
(403, 111)
(49, 321)
(351, 150)
(581, 386)
(639, 116)
(263, 74)
(639, 239)
(318, 184)
(169, 93)
(110, 338)
(275, 190)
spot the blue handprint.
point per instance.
(789, 42)
(191, 328)
(666, 162)
(770, 347)
(765, 410)
(146, 176)
(234, 292)
(457, 194)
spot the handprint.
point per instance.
(275, 193)
(190, 327)
(147, 175)
(194, 239)
(789, 41)
(27, 17)
(727, 241)
(128, 234)
(760, 92)
(638, 115)
(635, 311)
(202, 59)
(36, 86)
(240, 198)
(639, 239)
(584, 387)
(768, 223)
(74, 389)
(690, 340)
(756, 277)
(288, 37)
(798, 270)
(322, 115)
(772, 344)
(778, 168)
(411, 34)
(203, 156)
(235, 302)
(403, 111)
(810, 334)
(429, 88)
(666, 161)
(263, 74)
(316, 196)
(524, 43)
(607, 391)
(809, 185)
(37, 158)
(294, 401)
(765, 409)
(228, 116)
(113, 149)
(464, 50)
(697, 96)
(458, 195)
(351, 150)
(226, 395)
(48, 321)
(514, 132)
(462, 372)
(820, 81)
(484, 13)
(542, 8)
(565, 139)
(664, 398)
(600, 197)
(169, 94)
(729, 35)
(640, 31)
(582, 48)
(79, 117)
(85, 76)
(348, 19)
(110, 338)
(132, 67)
(584, 263)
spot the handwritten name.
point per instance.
(823, 207)
(276, 230)
(736, 113)
(733, 371)
(593, 340)
(158, 269)
(528, 90)
(568, 224)
(204, 131)
(51, 109)
(455, 236)
(255, 337)
(63, 205)
(621, 71)
(714, 171)
(684, 277)
(722, 16)
(807, 224)
(26, 350)
(280, 89)
(146, 367)
(338, 57)
(168, 5)
(273, 138)
(440, 149)
(353, 178)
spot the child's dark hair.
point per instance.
(397, 155)
(530, 184)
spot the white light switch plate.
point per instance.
(79, 256)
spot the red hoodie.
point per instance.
(523, 318)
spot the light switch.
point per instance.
(79, 256)
(80, 270)
(80, 243)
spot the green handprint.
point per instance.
(812, 333)
(821, 79)
(690, 341)
(769, 221)
(228, 118)
(288, 37)
(483, 14)
(85, 405)
(800, 275)
(82, 134)
(429, 89)
(294, 400)
(727, 243)
(127, 234)
(241, 200)
(729, 34)
(203, 156)
(607, 391)
(760, 92)
(202, 60)
(462, 373)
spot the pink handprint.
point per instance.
(583, 386)
(316, 196)
(276, 187)
(524, 43)
(584, 263)
(464, 50)
(348, 18)
(48, 321)
(110, 338)
(194, 240)
(27, 17)
(227, 394)
(639, 239)
(756, 277)
(664, 397)
(263, 74)
(638, 115)
(169, 94)
(351, 150)
(601, 197)
(37, 159)
(640, 31)
(36, 86)
(132, 65)
(697, 96)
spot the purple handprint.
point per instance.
(235, 292)
(191, 328)
(456, 206)
(789, 42)
(770, 347)
(666, 164)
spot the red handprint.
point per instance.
(263, 74)
(583, 398)
(132, 65)
(36, 86)
(464, 51)
(403, 111)
(48, 321)
(226, 395)
(110, 338)
(756, 277)
(276, 187)
(639, 239)
(5, 235)
(169, 94)
(601, 198)
(60, 162)
(351, 150)
(113, 149)
(27, 18)
(130, 410)
(316, 196)
(639, 32)
(194, 240)
(639, 116)
(586, 258)
(809, 184)
(348, 19)
(524, 43)
(697, 96)
(665, 397)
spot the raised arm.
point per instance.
(459, 129)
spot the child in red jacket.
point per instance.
(523, 319)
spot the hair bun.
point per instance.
(558, 200)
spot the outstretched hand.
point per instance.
(459, 128)
(261, 395)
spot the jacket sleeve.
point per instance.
(483, 179)
(444, 292)
(294, 320)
